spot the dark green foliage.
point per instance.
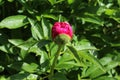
(27, 49)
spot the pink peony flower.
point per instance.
(60, 28)
(62, 32)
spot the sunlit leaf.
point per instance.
(46, 28)
(8, 48)
(22, 44)
(84, 44)
(66, 65)
(94, 71)
(110, 12)
(70, 1)
(31, 68)
(52, 1)
(75, 53)
(86, 56)
(105, 78)
(36, 29)
(118, 2)
(35, 49)
(13, 22)
(2, 78)
(91, 18)
(50, 16)
(44, 61)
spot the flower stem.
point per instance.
(59, 18)
(55, 60)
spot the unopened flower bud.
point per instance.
(62, 32)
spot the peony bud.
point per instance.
(62, 32)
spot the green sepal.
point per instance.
(62, 39)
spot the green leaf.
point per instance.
(66, 62)
(110, 12)
(115, 44)
(28, 7)
(66, 65)
(32, 77)
(44, 61)
(94, 71)
(91, 18)
(2, 78)
(22, 44)
(70, 1)
(105, 78)
(1, 69)
(118, 77)
(43, 43)
(53, 49)
(118, 2)
(91, 58)
(50, 16)
(112, 65)
(52, 1)
(10, 0)
(97, 72)
(13, 22)
(116, 15)
(23, 76)
(16, 65)
(46, 28)
(101, 10)
(87, 56)
(1, 1)
(65, 58)
(84, 44)
(75, 53)
(35, 49)
(31, 68)
(117, 19)
(25, 46)
(7, 48)
(23, 53)
(55, 1)
(36, 29)
(59, 76)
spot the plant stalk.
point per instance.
(55, 60)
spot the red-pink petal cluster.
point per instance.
(62, 28)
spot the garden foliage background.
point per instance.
(27, 50)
